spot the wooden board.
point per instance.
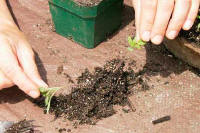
(184, 50)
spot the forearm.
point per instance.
(6, 19)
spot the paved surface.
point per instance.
(175, 87)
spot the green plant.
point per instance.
(48, 93)
(134, 43)
(198, 26)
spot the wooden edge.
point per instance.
(188, 52)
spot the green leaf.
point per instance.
(130, 41)
(138, 46)
(135, 44)
(130, 49)
(141, 43)
(48, 93)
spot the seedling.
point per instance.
(48, 93)
(134, 43)
(198, 26)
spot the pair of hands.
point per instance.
(153, 22)
(158, 18)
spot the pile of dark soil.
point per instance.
(96, 93)
(23, 126)
(88, 2)
(193, 34)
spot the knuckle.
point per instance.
(11, 72)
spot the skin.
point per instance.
(17, 64)
(153, 22)
(158, 18)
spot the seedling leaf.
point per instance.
(48, 93)
(130, 41)
(141, 43)
(130, 49)
(135, 44)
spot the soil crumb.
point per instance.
(96, 93)
(193, 34)
(23, 126)
(88, 2)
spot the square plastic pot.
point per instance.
(87, 26)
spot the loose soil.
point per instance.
(193, 34)
(23, 126)
(96, 93)
(88, 2)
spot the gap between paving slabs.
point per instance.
(95, 94)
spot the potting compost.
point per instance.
(193, 34)
(88, 2)
(96, 93)
(23, 126)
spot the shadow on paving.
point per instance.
(41, 68)
(12, 13)
(11, 95)
(128, 16)
(159, 61)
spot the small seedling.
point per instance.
(48, 93)
(134, 43)
(198, 26)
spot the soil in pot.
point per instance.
(96, 93)
(193, 35)
(88, 2)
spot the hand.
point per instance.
(157, 18)
(17, 64)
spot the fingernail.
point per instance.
(146, 36)
(34, 94)
(157, 39)
(172, 34)
(41, 83)
(187, 25)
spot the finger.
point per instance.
(192, 15)
(164, 11)
(5, 82)
(9, 65)
(137, 7)
(178, 18)
(27, 61)
(148, 12)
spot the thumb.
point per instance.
(27, 61)
(137, 7)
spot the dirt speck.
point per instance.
(62, 130)
(60, 69)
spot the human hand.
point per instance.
(17, 64)
(158, 18)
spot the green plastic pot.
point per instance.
(87, 26)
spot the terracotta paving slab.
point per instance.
(175, 87)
